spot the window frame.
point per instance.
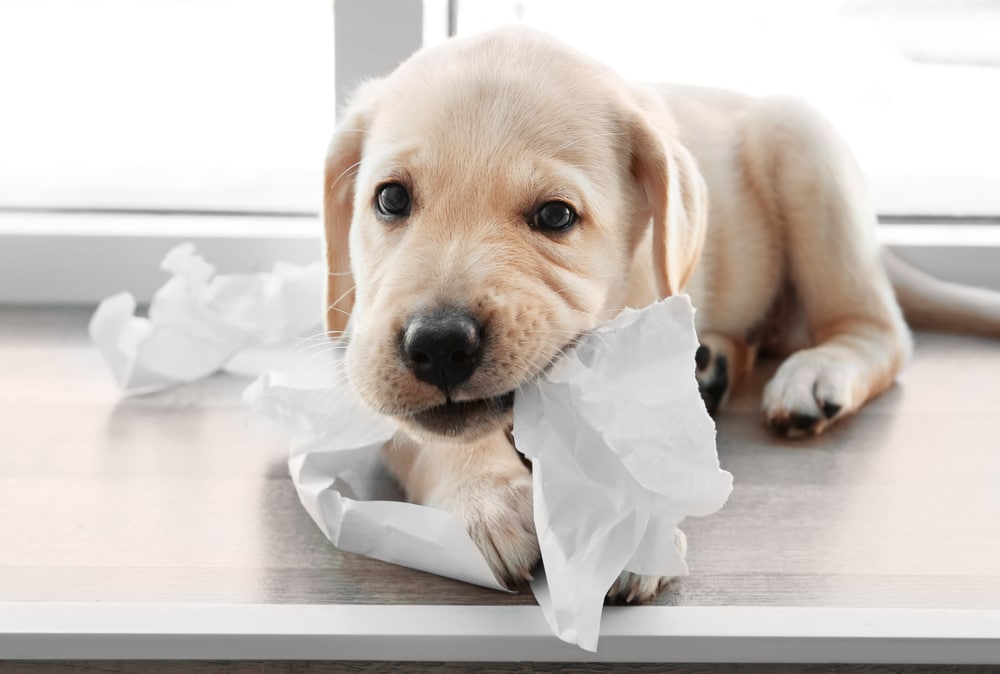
(410, 633)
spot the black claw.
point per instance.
(803, 422)
(780, 425)
(830, 410)
(701, 357)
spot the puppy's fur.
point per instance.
(754, 207)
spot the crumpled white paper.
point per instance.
(200, 322)
(622, 450)
(334, 441)
(621, 446)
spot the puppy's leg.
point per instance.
(739, 277)
(486, 485)
(631, 587)
(860, 339)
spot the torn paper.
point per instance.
(334, 439)
(622, 450)
(621, 447)
(200, 322)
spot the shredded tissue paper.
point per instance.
(620, 444)
(200, 322)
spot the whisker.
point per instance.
(352, 169)
(342, 296)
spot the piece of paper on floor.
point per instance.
(334, 441)
(200, 322)
(621, 447)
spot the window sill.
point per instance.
(662, 634)
(80, 259)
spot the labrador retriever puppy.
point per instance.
(497, 196)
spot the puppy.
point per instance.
(499, 195)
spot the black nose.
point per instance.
(443, 347)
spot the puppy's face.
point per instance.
(495, 213)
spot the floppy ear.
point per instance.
(678, 199)
(343, 158)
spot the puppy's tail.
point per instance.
(929, 303)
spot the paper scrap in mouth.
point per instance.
(622, 450)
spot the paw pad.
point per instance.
(701, 357)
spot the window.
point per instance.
(129, 126)
(177, 105)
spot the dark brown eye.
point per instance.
(392, 200)
(554, 216)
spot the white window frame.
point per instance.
(60, 257)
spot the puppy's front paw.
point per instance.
(633, 588)
(808, 392)
(713, 360)
(497, 511)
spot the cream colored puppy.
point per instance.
(497, 196)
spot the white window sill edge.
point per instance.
(80, 259)
(83, 630)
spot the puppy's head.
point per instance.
(484, 205)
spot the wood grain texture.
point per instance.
(178, 496)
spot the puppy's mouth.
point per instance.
(461, 417)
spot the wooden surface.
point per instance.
(177, 497)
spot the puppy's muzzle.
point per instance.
(442, 347)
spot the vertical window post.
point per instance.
(372, 37)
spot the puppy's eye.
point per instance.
(392, 200)
(554, 216)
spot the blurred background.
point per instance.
(224, 107)
(914, 85)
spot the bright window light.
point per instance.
(212, 105)
(914, 85)
(165, 104)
